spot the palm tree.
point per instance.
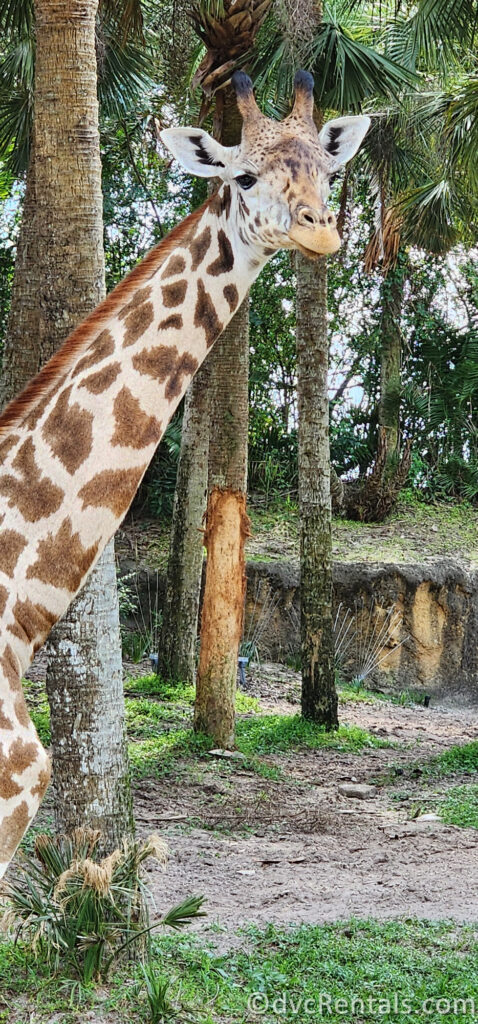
(56, 285)
(227, 31)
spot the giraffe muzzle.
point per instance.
(315, 231)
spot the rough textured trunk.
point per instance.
(222, 614)
(21, 361)
(59, 279)
(222, 619)
(319, 697)
(177, 653)
(90, 779)
(223, 608)
(392, 291)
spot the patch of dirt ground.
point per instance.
(294, 850)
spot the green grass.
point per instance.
(396, 961)
(460, 806)
(271, 734)
(459, 759)
(391, 968)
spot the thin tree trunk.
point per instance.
(319, 697)
(391, 292)
(20, 361)
(227, 527)
(91, 778)
(227, 524)
(177, 650)
(59, 279)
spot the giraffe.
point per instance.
(75, 444)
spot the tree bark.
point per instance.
(227, 527)
(59, 279)
(177, 651)
(91, 778)
(392, 291)
(319, 696)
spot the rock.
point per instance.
(228, 755)
(357, 790)
(428, 817)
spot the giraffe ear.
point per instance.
(197, 151)
(342, 138)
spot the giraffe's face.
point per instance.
(280, 173)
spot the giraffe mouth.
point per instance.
(323, 242)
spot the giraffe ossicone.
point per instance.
(75, 444)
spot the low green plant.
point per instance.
(455, 760)
(80, 912)
(157, 987)
(268, 734)
(460, 806)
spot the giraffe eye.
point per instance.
(246, 180)
(333, 177)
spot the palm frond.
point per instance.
(430, 216)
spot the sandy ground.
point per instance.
(297, 850)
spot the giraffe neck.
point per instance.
(77, 443)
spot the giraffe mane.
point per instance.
(79, 339)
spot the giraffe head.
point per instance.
(280, 173)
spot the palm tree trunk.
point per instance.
(227, 527)
(177, 649)
(59, 279)
(392, 292)
(227, 524)
(319, 697)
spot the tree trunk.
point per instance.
(177, 651)
(59, 279)
(227, 527)
(90, 778)
(392, 291)
(319, 697)
(20, 362)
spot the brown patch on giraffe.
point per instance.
(113, 489)
(36, 414)
(64, 360)
(142, 295)
(13, 828)
(137, 322)
(174, 321)
(205, 315)
(20, 756)
(222, 203)
(5, 721)
(7, 445)
(21, 711)
(98, 382)
(175, 265)
(32, 624)
(133, 427)
(61, 559)
(199, 247)
(9, 664)
(174, 294)
(34, 495)
(41, 787)
(11, 547)
(69, 432)
(102, 347)
(164, 363)
(225, 261)
(3, 598)
(231, 295)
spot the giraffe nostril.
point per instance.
(331, 219)
(308, 218)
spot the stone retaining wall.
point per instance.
(433, 647)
